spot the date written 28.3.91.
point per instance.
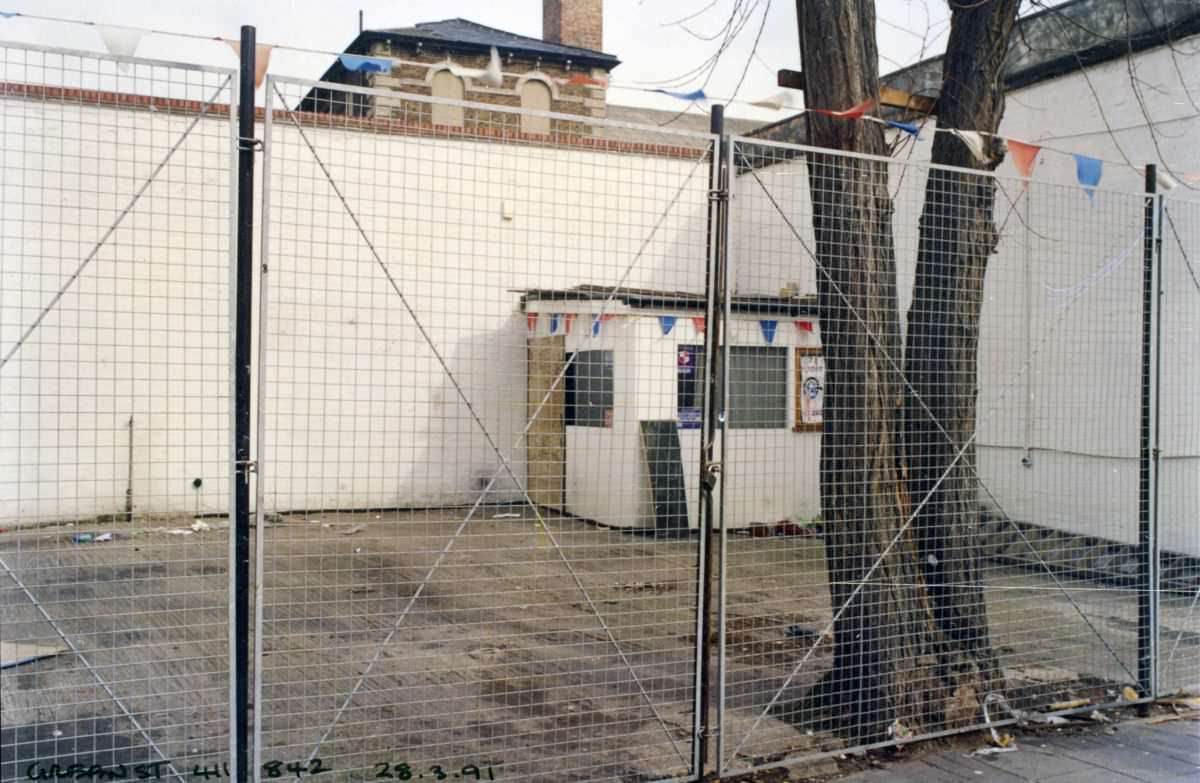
(403, 771)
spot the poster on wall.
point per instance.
(688, 371)
(810, 389)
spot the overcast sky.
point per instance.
(637, 31)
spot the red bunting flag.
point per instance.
(853, 113)
(804, 326)
(531, 321)
(569, 318)
(586, 81)
(1024, 156)
(698, 323)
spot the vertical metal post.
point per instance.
(262, 464)
(727, 187)
(709, 470)
(1148, 458)
(241, 402)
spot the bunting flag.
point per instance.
(780, 100)
(1164, 180)
(803, 326)
(531, 321)
(584, 80)
(262, 56)
(698, 323)
(855, 112)
(974, 142)
(768, 330)
(570, 319)
(597, 320)
(1024, 156)
(491, 75)
(1088, 171)
(695, 96)
(120, 42)
(357, 63)
(666, 323)
(554, 319)
(908, 127)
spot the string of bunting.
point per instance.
(560, 323)
(124, 40)
(1088, 170)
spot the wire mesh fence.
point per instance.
(463, 568)
(115, 216)
(528, 388)
(1179, 485)
(961, 525)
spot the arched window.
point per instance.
(535, 95)
(447, 85)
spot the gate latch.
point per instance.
(712, 472)
(249, 466)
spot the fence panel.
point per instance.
(115, 215)
(1001, 561)
(1179, 482)
(478, 509)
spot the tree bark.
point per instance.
(884, 667)
(957, 236)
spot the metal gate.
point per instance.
(472, 560)
(1048, 514)
(116, 218)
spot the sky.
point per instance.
(640, 32)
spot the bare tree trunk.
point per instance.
(884, 667)
(957, 236)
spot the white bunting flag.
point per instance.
(121, 42)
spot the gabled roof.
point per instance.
(466, 36)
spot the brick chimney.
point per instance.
(574, 23)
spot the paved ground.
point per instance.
(413, 639)
(1166, 752)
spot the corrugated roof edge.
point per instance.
(909, 78)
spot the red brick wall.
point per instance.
(574, 23)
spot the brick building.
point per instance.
(564, 72)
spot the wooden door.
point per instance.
(546, 444)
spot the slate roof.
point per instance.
(466, 36)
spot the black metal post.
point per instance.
(241, 395)
(1148, 457)
(710, 474)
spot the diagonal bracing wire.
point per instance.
(854, 594)
(875, 340)
(91, 669)
(162, 164)
(504, 463)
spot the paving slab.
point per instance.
(1167, 752)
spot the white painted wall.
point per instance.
(360, 411)
(144, 331)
